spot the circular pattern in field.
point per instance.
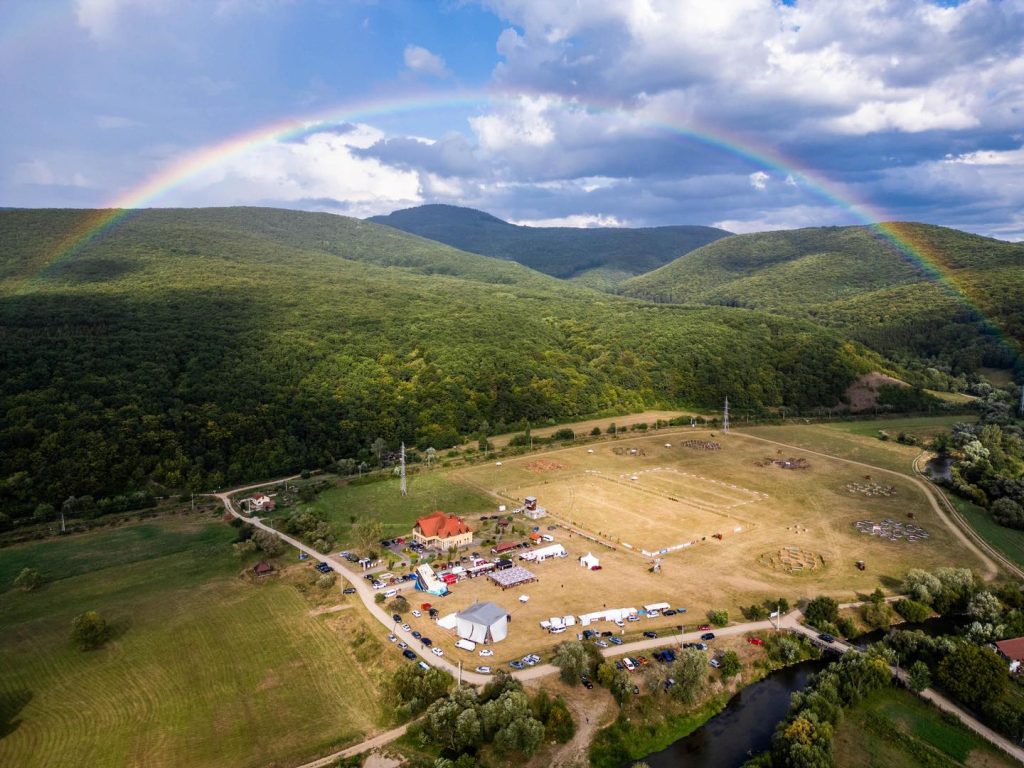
(792, 560)
(871, 489)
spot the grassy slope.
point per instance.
(850, 279)
(892, 729)
(204, 669)
(231, 344)
(1007, 540)
(567, 252)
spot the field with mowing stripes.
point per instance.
(204, 668)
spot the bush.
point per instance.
(821, 610)
(595, 432)
(564, 434)
(379, 598)
(718, 618)
(912, 611)
(1008, 513)
(877, 615)
(729, 665)
(89, 630)
(326, 581)
(846, 627)
(28, 579)
(754, 613)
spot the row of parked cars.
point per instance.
(530, 660)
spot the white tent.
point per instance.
(656, 607)
(589, 561)
(447, 622)
(554, 550)
(482, 622)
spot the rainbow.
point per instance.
(898, 235)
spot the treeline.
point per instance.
(192, 350)
(989, 468)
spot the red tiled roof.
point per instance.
(441, 525)
(263, 567)
(1012, 649)
(505, 546)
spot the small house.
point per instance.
(262, 568)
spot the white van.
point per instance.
(466, 645)
(391, 593)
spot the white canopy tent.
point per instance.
(589, 561)
(482, 623)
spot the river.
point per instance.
(744, 728)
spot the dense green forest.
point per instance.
(853, 280)
(600, 257)
(196, 348)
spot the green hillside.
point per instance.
(600, 257)
(850, 279)
(195, 348)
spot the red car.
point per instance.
(703, 627)
(595, 567)
(755, 641)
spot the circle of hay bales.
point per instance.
(544, 465)
(793, 560)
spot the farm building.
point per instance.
(262, 568)
(589, 561)
(504, 546)
(258, 502)
(443, 531)
(1013, 651)
(542, 554)
(482, 623)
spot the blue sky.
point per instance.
(550, 112)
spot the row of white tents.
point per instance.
(559, 623)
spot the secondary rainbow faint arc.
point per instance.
(207, 157)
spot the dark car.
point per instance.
(825, 637)
(396, 617)
(348, 591)
(607, 634)
(586, 682)
(408, 654)
(426, 641)
(615, 640)
(669, 612)
(516, 664)
(432, 612)
(417, 635)
(708, 636)
(648, 633)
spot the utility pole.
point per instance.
(460, 673)
(725, 416)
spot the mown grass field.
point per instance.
(891, 728)
(812, 510)
(203, 669)
(1007, 540)
(383, 501)
(858, 440)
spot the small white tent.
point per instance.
(589, 561)
(482, 623)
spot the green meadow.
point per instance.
(204, 668)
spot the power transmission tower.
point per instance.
(402, 471)
(725, 416)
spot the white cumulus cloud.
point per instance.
(422, 61)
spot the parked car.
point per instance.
(426, 641)
(715, 663)
(615, 640)
(601, 643)
(755, 641)
(396, 617)
(703, 627)
(437, 651)
(392, 638)
(619, 665)
(417, 614)
(632, 618)
(484, 669)
(588, 633)
(406, 627)
(680, 610)
(628, 664)
(423, 665)
(650, 634)
(586, 682)
(825, 637)
(708, 636)
(516, 664)
(409, 654)
(486, 652)
(619, 623)
(701, 646)
(416, 634)
(402, 645)
(669, 612)
(348, 591)
(642, 661)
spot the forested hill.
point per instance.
(601, 257)
(850, 279)
(196, 348)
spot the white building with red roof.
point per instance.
(442, 530)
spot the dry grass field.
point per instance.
(797, 534)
